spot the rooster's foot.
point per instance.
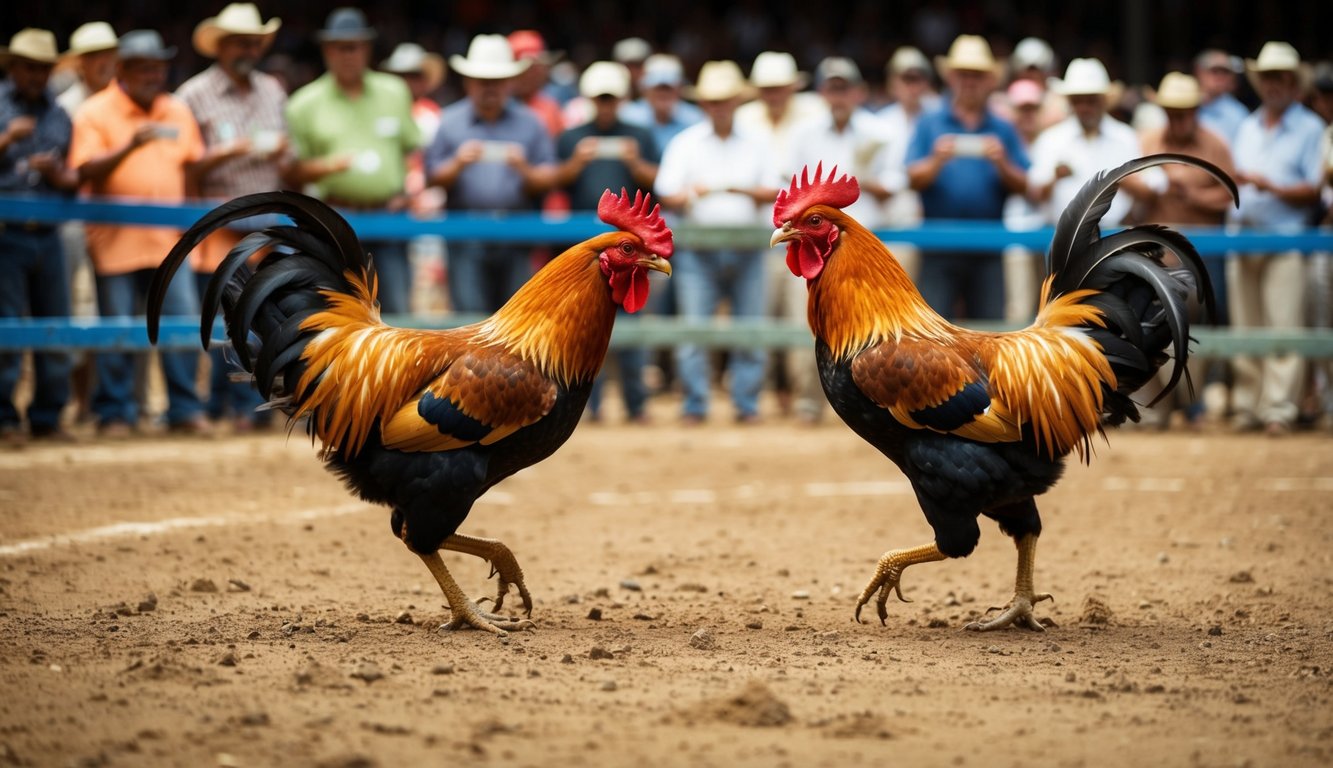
(470, 616)
(888, 575)
(1017, 614)
(503, 563)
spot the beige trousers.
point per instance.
(1267, 291)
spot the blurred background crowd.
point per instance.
(944, 111)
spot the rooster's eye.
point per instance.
(626, 249)
(815, 220)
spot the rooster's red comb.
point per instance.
(636, 218)
(838, 194)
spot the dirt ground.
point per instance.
(225, 603)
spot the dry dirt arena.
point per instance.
(225, 603)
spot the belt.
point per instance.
(27, 227)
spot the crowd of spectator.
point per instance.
(968, 136)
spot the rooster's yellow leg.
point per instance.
(888, 573)
(502, 562)
(465, 613)
(1019, 611)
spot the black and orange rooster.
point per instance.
(981, 423)
(422, 421)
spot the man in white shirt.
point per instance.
(712, 173)
(909, 78)
(1069, 153)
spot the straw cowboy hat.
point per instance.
(1279, 57)
(968, 52)
(604, 78)
(721, 81)
(773, 69)
(235, 19)
(1084, 77)
(92, 37)
(409, 58)
(489, 57)
(1178, 91)
(31, 44)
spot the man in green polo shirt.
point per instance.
(353, 130)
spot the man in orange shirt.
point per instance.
(133, 140)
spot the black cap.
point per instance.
(345, 24)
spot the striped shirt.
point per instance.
(226, 113)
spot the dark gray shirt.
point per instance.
(604, 173)
(52, 135)
(490, 185)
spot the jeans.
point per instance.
(33, 282)
(123, 296)
(631, 363)
(977, 279)
(395, 276)
(239, 398)
(482, 276)
(701, 280)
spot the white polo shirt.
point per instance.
(862, 149)
(697, 156)
(1066, 143)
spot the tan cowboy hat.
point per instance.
(235, 19)
(409, 58)
(968, 52)
(721, 81)
(489, 57)
(774, 69)
(92, 37)
(31, 44)
(1178, 91)
(1279, 57)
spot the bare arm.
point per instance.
(98, 168)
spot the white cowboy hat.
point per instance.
(235, 19)
(1084, 77)
(92, 37)
(721, 81)
(489, 57)
(968, 52)
(32, 44)
(773, 69)
(604, 78)
(1178, 91)
(1279, 57)
(408, 58)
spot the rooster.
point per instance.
(422, 421)
(981, 423)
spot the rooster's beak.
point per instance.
(657, 264)
(783, 234)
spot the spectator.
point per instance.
(661, 109)
(1023, 267)
(34, 139)
(964, 160)
(634, 53)
(909, 76)
(781, 105)
(529, 86)
(1191, 197)
(1280, 170)
(1220, 111)
(608, 153)
(423, 73)
(240, 114)
(133, 139)
(854, 141)
(353, 132)
(491, 154)
(717, 176)
(1032, 59)
(1068, 154)
(92, 52)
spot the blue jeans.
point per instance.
(123, 296)
(976, 279)
(239, 398)
(33, 282)
(482, 276)
(395, 276)
(701, 280)
(631, 363)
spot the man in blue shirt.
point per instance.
(661, 108)
(490, 154)
(964, 160)
(607, 153)
(1219, 111)
(1279, 168)
(34, 141)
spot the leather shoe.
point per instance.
(196, 426)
